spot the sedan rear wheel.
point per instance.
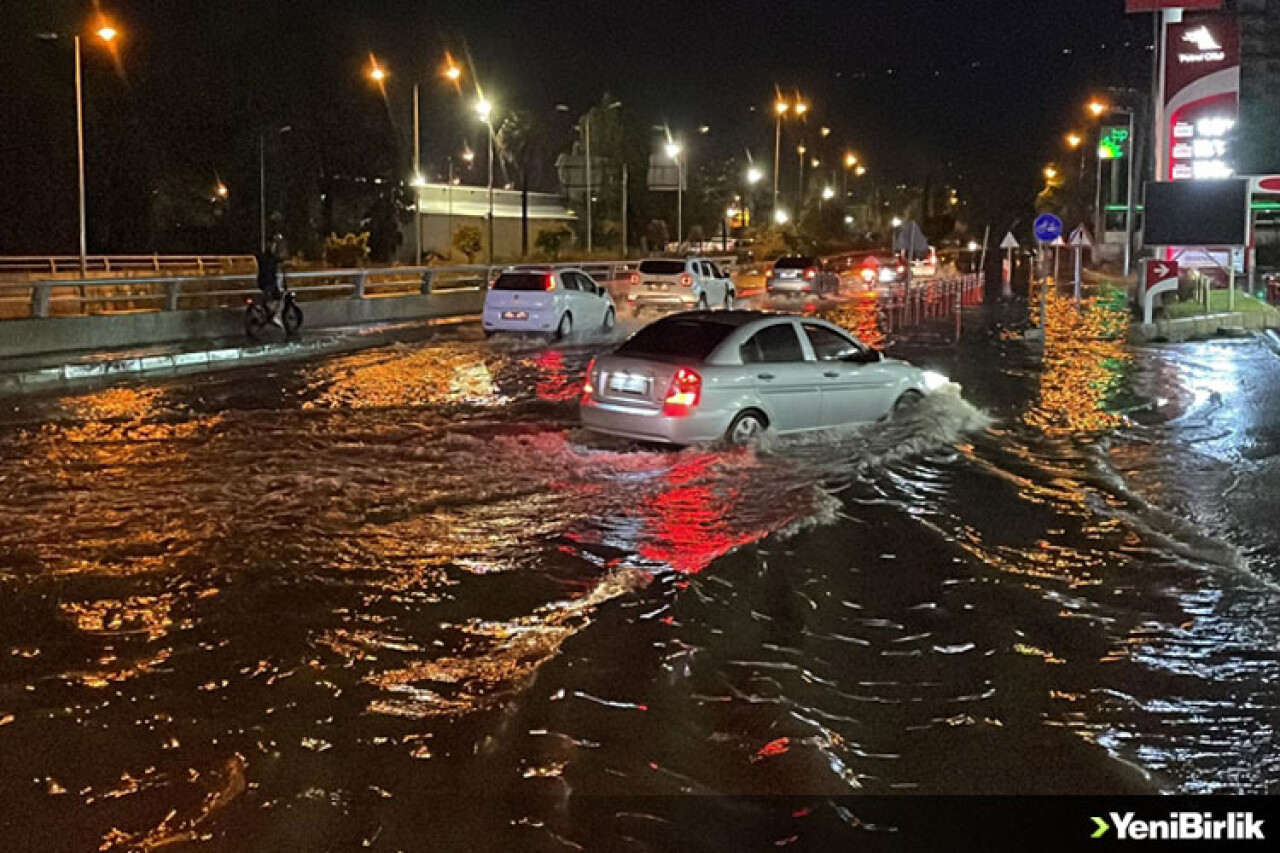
(747, 427)
(907, 405)
(565, 329)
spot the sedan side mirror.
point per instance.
(866, 356)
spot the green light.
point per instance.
(1112, 143)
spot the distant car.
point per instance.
(704, 376)
(801, 274)
(880, 268)
(680, 283)
(927, 266)
(548, 301)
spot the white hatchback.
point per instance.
(547, 300)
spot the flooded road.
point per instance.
(397, 600)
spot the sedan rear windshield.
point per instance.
(662, 267)
(794, 263)
(521, 281)
(691, 340)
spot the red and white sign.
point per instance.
(1157, 5)
(1202, 96)
(1161, 271)
(1264, 184)
(1161, 276)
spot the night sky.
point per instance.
(970, 93)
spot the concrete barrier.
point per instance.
(113, 331)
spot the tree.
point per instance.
(553, 238)
(522, 141)
(469, 240)
(656, 235)
(348, 251)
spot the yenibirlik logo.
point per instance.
(1181, 826)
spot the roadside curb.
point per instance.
(82, 372)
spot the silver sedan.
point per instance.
(705, 376)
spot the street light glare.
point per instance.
(484, 109)
(1097, 108)
(781, 107)
(826, 131)
(828, 193)
(453, 72)
(672, 149)
(1050, 172)
(780, 216)
(800, 149)
(1074, 140)
(754, 175)
(815, 162)
(850, 160)
(860, 171)
(897, 222)
(801, 108)
(107, 33)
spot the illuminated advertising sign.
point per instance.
(1202, 96)
(1157, 5)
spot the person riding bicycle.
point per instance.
(269, 279)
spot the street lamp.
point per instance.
(897, 222)
(860, 171)
(800, 152)
(672, 149)
(780, 216)
(1074, 140)
(754, 176)
(779, 109)
(1050, 173)
(484, 110)
(107, 34)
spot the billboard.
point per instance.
(1197, 213)
(1157, 5)
(1201, 97)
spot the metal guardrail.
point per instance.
(68, 266)
(52, 297)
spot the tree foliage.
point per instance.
(469, 240)
(553, 239)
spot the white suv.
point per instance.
(548, 301)
(680, 283)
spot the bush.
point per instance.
(553, 239)
(469, 240)
(351, 250)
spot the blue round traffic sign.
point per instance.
(1048, 227)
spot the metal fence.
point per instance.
(53, 297)
(121, 266)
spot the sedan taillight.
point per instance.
(686, 280)
(587, 387)
(684, 393)
(811, 273)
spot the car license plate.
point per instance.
(628, 383)
(657, 285)
(515, 315)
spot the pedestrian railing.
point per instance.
(918, 302)
(57, 297)
(20, 267)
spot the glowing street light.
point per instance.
(673, 149)
(1097, 108)
(1074, 140)
(815, 162)
(107, 34)
(484, 110)
(221, 190)
(860, 171)
(1050, 172)
(453, 72)
(781, 107)
(754, 176)
(468, 155)
(850, 160)
(826, 131)
(377, 73)
(828, 193)
(801, 108)
(897, 222)
(780, 216)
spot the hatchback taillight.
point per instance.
(549, 283)
(684, 393)
(686, 280)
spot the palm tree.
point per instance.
(522, 141)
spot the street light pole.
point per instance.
(262, 192)
(1128, 213)
(779, 109)
(417, 177)
(488, 122)
(84, 240)
(586, 130)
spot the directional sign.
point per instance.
(1048, 227)
(1161, 276)
(1080, 237)
(1009, 242)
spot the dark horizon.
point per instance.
(961, 94)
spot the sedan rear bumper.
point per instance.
(648, 425)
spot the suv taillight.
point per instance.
(811, 272)
(686, 280)
(684, 393)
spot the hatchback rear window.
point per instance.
(794, 263)
(691, 340)
(662, 267)
(521, 281)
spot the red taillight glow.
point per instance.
(684, 393)
(811, 272)
(587, 388)
(549, 283)
(634, 278)
(686, 280)
(868, 274)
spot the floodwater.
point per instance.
(398, 600)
